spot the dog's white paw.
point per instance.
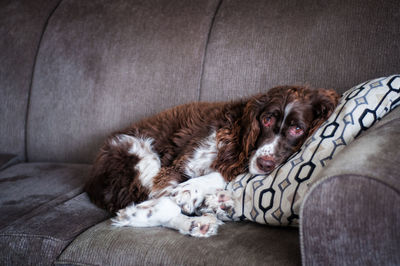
(188, 197)
(124, 216)
(190, 194)
(220, 203)
(203, 226)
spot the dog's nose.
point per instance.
(266, 163)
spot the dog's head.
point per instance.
(277, 123)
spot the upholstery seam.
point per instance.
(67, 262)
(71, 240)
(317, 184)
(203, 62)
(32, 79)
(384, 124)
(32, 236)
(44, 237)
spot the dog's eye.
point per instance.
(268, 121)
(296, 131)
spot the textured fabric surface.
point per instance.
(236, 244)
(276, 198)
(7, 160)
(42, 209)
(26, 187)
(257, 44)
(351, 220)
(21, 24)
(351, 217)
(105, 64)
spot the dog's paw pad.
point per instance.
(187, 197)
(204, 226)
(223, 196)
(220, 204)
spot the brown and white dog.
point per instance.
(172, 160)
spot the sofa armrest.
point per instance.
(7, 160)
(352, 215)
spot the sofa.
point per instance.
(74, 71)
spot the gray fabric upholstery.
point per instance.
(25, 187)
(357, 223)
(255, 45)
(352, 216)
(7, 160)
(42, 210)
(104, 64)
(235, 244)
(21, 24)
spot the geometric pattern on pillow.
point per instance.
(275, 199)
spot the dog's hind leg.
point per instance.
(198, 226)
(123, 172)
(150, 213)
(165, 212)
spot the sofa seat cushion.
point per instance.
(241, 243)
(42, 209)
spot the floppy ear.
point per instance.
(250, 124)
(324, 102)
(238, 140)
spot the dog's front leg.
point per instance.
(190, 195)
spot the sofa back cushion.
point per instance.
(104, 64)
(256, 44)
(21, 25)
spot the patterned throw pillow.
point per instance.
(275, 199)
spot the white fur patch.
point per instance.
(189, 195)
(149, 164)
(204, 155)
(288, 108)
(154, 212)
(265, 150)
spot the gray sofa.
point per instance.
(73, 71)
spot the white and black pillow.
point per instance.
(276, 198)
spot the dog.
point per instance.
(164, 168)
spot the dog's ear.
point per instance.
(250, 124)
(238, 140)
(324, 102)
